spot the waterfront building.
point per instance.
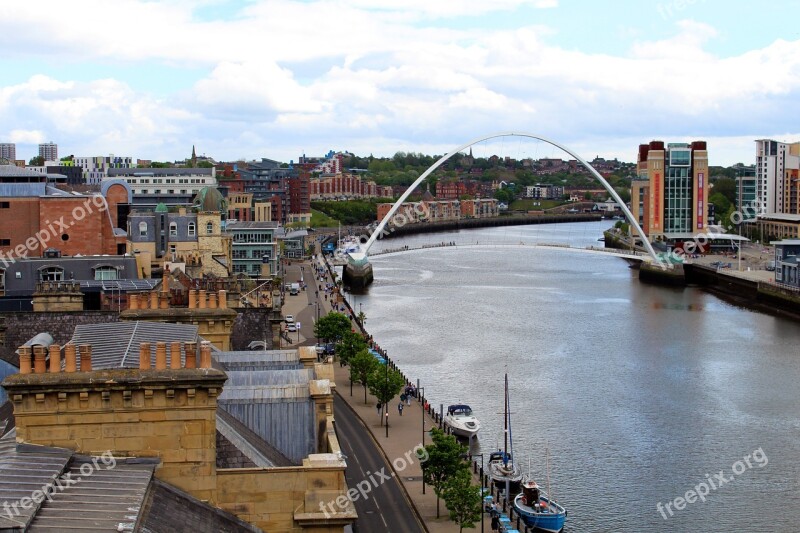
(346, 187)
(770, 164)
(294, 242)
(786, 262)
(544, 192)
(677, 176)
(480, 208)
(254, 248)
(746, 186)
(48, 151)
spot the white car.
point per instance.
(291, 327)
(289, 319)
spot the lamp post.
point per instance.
(420, 393)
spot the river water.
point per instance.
(636, 393)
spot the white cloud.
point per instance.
(283, 75)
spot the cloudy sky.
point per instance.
(279, 78)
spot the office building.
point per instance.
(48, 151)
(8, 151)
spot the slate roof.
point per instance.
(260, 452)
(116, 344)
(259, 360)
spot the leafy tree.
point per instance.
(624, 193)
(721, 203)
(444, 462)
(725, 187)
(361, 318)
(36, 161)
(385, 383)
(504, 195)
(361, 366)
(350, 344)
(463, 500)
(332, 327)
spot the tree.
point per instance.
(332, 327)
(361, 318)
(721, 203)
(385, 383)
(445, 460)
(361, 366)
(350, 344)
(36, 161)
(726, 187)
(463, 500)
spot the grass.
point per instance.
(321, 220)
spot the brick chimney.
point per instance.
(165, 412)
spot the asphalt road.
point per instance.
(385, 508)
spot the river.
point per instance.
(636, 393)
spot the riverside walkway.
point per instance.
(405, 433)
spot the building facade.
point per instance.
(48, 151)
(95, 169)
(254, 248)
(170, 186)
(678, 188)
(770, 164)
(346, 187)
(8, 151)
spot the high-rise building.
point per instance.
(746, 185)
(770, 164)
(677, 201)
(48, 151)
(8, 151)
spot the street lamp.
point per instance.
(420, 393)
(481, 478)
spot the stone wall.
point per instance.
(249, 326)
(20, 327)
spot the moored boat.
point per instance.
(503, 471)
(461, 421)
(537, 510)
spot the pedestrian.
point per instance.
(379, 408)
(403, 398)
(495, 522)
(408, 399)
(400, 408)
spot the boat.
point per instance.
(537, 510)
(461, 421)
(503, 471)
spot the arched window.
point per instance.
(210, 228)
(143, 229)
(51, 274)
(173, 229)
(192, 229)
(105, 272)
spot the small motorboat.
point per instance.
(537, 510)
(461, 421)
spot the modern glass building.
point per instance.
(677, 189)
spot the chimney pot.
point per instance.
(39, 359)
(55, 358)
(175, 355)
(161, 355)
(223, 299)
(192, 298)
(205, 355)
(191, 355)
(212, 300)
(86, 357)
(144, 356)
(202, 299)
(154, 300)
(70, 356)
(24, 359)
(133, 301)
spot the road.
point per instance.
(385, 508)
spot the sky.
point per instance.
(246, 79)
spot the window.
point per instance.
(105, 273)
(4, 205)
(2, 279)
(5, 242)
(173, 229)
(143, 229)
(51, 274)
(210, 228)
(173, 248)
(239, 253)
(192, 229)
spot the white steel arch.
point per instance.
(450, 154)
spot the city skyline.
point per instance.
(241, 79)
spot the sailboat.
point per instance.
(503, 471)
(537, 509)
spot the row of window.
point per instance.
(191, 229)
(57, 274)
(168, 180)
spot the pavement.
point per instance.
(405, 433)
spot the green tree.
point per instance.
(721, 203)
(332, 327)
(385, 383)
(445, 461)
(350, 344)
(463, 500)
(726, 187)
(361, 366)
(504, 195)
(36, 161)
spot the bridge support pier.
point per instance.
(357, 274)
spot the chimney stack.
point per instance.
(70, 356)
(144, 356)
(86, 357)
(55, 358)
(24, 359)
(39, 359)
(175, 355)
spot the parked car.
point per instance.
(289, 319)
(771, 266)
(291, 327)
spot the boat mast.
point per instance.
(505, 424)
